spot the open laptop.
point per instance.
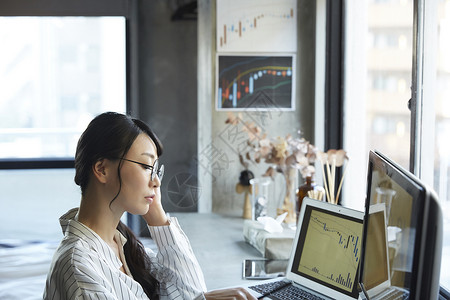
(324, 258)
(377, 272)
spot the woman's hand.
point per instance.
(156, 216)
(228, 294)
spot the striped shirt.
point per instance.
(85, 267)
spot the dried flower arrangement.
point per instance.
(288, 155)
(285, 155)
(281, 153)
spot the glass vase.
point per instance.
(303, 191)
(290, 197)
(260, 196)
(310, 189)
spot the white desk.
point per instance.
(219, 245)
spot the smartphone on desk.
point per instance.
(261, 268)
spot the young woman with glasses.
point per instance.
(117, 168)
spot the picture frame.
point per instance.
(256, 26)
(252, 82)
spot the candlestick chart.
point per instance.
(242, 79)
(262, 26)
(331, 250)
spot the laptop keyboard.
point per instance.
(395, 294)
(283, 290)
(267, 288)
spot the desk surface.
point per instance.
(218, 243)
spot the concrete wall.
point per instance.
(168, 96)
(221, 197)
(176, 88)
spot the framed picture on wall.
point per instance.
(255, 82)
(256, 26)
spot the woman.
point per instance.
(117, 168)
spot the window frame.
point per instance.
(86, 8)
(423, 75)
(334, 77)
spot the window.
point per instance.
(380, 74)
(56, 74)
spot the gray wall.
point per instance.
(168, 96)
(183, 114)
(223, 179)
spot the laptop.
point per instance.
(377, 272)
(324, 260)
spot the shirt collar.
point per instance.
(71, 227)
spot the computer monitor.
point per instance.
(402, 232)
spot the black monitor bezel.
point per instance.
(414, 187)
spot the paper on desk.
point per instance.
(272, 225)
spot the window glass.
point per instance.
(388, 78)
(56, 74)
(442, 130)
(32, 202)
(378, 91)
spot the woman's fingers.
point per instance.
(227, 294)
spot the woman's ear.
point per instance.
(100, 170)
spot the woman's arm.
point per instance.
(176, 267)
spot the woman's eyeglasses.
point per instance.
(155, 170)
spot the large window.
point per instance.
(56, 74)
(381, 76)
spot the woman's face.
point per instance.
(138, 191)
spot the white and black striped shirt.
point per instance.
(85, 267)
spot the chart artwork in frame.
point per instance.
(256, 26)
(260, 83)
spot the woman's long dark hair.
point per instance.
(110, 136)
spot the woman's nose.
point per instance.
(156, 182)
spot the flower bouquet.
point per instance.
(286, 155)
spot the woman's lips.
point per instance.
(150, 198)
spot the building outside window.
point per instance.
(379, 73)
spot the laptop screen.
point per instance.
(328, 249)
(376, 264)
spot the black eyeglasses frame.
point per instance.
(155, 171)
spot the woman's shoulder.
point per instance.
(74, 266)
(72, 248)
